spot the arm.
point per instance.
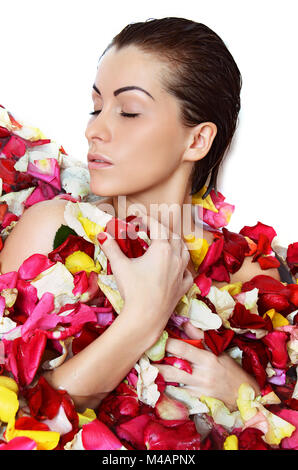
(213, 376)
(102, 365)
(98, 368)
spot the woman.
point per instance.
(166, 102)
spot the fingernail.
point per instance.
(101, 237)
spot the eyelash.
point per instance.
(122, 114)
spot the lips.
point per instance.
(94, 157)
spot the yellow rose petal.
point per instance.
(246, 395)
(278, 427)
(80, 261)
(277, 319)
(183, 306)
(45, 440)
(269, 399)
(106, 283)
(231, 443)
(86, 417)
(270, 313)
(8, 382)
(233, 289)
(219, 412)
(92, 229)
(207, 203)
(198, 248)
(9, 404)
(37, 133)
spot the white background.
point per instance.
(49, 55)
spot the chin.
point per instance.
(101, 188)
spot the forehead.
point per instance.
(130, 66)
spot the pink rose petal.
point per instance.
(97, 436)
(34, 265)
(19, 443)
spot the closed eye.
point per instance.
(122, 114)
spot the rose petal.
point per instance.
(33, 266)
(97, 436)
(19, 443)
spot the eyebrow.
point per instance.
(125, 88)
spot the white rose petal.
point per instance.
(66, 352)
(235, 353)
(58, 281)
(249, 300)
(147, 390)
(67, 161)
(291, 316)
(40, 152)
(202, 316)
(76, 443)
(75, 181)
(295, 391)
(6, 326)
(193, 403)
(5, 120)
(22, 163)
(74, 209)
(108, 286)
(223, 302)
(15, 200)
(60, 423)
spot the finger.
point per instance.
(195, 390)
(192, 331)
(138, 223)
(157, 230)
(172, 218)
(187, 281)
(173, 374)
(113, 252)
(176, 243)
(185, 254)
(186, 351)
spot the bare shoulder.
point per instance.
(248, 269)
(34, 233)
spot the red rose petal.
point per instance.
(276, 344)
(218, 341)
(254, 232)
(268, 262)
(185, 436)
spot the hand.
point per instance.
(155, 281)
(214, 376)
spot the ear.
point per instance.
(200, 140)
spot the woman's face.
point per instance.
(145, 150)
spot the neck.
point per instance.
(168, 197)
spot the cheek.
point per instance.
(145, 156)
(151, 152)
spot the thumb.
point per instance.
(192, 331)
(112, 251)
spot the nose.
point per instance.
(98, 128)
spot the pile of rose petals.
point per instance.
(55, 305)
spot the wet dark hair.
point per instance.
(203, 76)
